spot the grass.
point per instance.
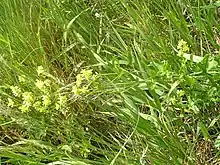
(120, 82)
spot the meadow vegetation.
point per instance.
(126, 82)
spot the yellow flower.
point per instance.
(46, 100)
(84, 89)
(76, 90)
(180, 93)
(37, 105)
(16, 91)
(181, 43)
(40, 70)
(86, 73)
(79, 79)
(47, 82)
(28, 98)
(40, 85)
(62, 100)
(21, 79)
(23, 108)
(180, 53)
(57, 106)
(42, 109)
(10, 102)
(182, 46)
(185, 48)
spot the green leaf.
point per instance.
(66, 148)
(150, 118)
(70, 24)
(212, 64)
(217, 142)
(99, 59)
(193, 58)
(204, 130)
(15, 156)
(130, 103)
(175, 84)
(214, 121)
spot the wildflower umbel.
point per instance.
(62, 100)
(47, 82)
(76, 90)
(182, 47)
(87, 73)
(49, 95)
(28, 98)
(23, 108)
(46, 100)
(37, 105)
(16, 91)
(21, 79)
(97, 15)
(79, 79)
(10, 102)
(40, 70)
(84, 89)
(40, 84)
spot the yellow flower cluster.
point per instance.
(43, 99)
(21, 79)
(62, 100)
(27, 98)
(46, 93)
(182, 47)
(44, 86)
(10, 102)
(82, 82)
(40, 70)
(16, 91)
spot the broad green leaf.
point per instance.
(212, 64)
(194, 58)
(130, 103)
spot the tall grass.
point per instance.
(148, 103)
